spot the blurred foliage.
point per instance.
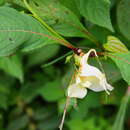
(32, 95)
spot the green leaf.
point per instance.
(2, 2)
(93, 123)
(60, 18)
(19, 3)
(39, 56)
(18, 123)
(43, 113)
(12, 65)
(3, 101)
(122, 62)
(29, 91)
(115, 45)
(71, 4)
(5, 87)
(76, 124)
(52, 91)
(92, 100)
(96, 11)
(24, 33)
(123, 14)
(49, 124)
(119, 122)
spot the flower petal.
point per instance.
(89, 70)
(77, 91)
(95, 83)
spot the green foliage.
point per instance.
(122, 61)
(90, 124)
(8, 63)
(5, 88)
(96, 11)
(115, 45)
(63, 20)
(123, 14)
(118, 124)
(52, 91)
(35, 70)
(85, 105)
(2, 2)
(35, 58)
(21, 123)
(13, 32)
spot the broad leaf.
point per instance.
(96, 11)
(52, 91)
(39, 56)
(60, 18)
(71, 4)
(20, 33)
(123, 63)
(123, 17)
(12, 65)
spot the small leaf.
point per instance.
(96, 11)
(12, 65)
(115, 45)
(123, 17)
(68, 58)
(52, 91)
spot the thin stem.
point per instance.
(56, 60)
(64, 114)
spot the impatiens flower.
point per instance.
(88, 77)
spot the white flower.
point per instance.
(88, 77)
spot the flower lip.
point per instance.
(77, 91)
